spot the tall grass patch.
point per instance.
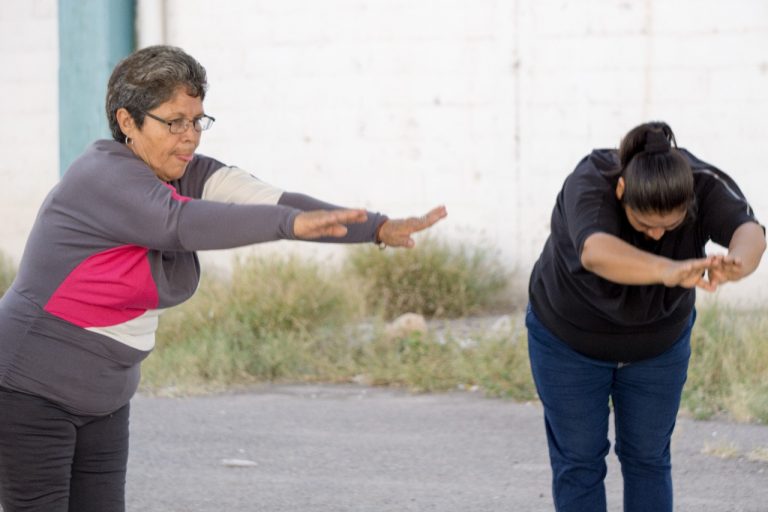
(288, 319)
(494, 363)
(435, 279)
(7, 272)
(273, 319)
(292, 320)
(728, 373)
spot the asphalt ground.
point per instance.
(329, 448)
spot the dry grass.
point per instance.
(274, 319)
(758, 454)
(728, 373)
(284, 319)
(7, 273)
(435, 280)
(287, 320)
(721, 450)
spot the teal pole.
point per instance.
(93, 36)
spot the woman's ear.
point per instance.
(620, 188)
(126, 122)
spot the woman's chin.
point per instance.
(171, 175)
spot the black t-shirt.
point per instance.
(615, 322)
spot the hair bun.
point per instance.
(656, 141)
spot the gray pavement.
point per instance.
(308, 448)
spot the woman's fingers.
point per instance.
(690, 273)
(394, 232)
(397, 232)
(728, 269)
(434, 215)
(320, 223)
(349, 216)
(414, 224)
(706, 284)
(706, 273)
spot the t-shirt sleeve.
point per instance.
(587, 207)
(721, 205)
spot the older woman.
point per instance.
(612, 307)
(113, 245)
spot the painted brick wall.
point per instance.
(29, 146)
(484, 105)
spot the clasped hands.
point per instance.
(706, 273)
(393, 232)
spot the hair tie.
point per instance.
(656, 142)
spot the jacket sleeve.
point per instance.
(229, 184)
(116, 197)
(356, 233)
(235, 185)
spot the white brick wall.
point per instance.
(484, 105)
(29, 148)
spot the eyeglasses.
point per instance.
(182, 124)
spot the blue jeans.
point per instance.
(575, 391)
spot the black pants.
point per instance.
(54, 461)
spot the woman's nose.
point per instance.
(655, 233)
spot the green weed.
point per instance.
(435, 280)
(7, 272)
(273, 319)
(728, 373)
(286, 320)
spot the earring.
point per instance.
(128, 141)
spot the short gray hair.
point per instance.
(149, 77)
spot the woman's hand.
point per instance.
(691, 273)
(744, 254)
(729, 268)
(320, 223)
(397, 232)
